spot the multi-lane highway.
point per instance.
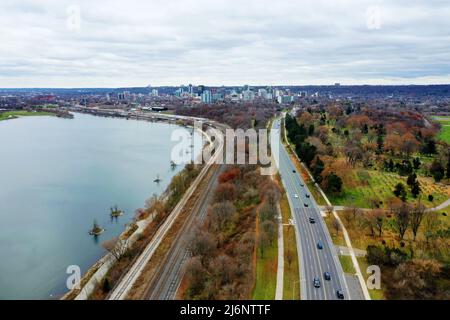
(314, 262)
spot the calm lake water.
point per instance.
(57, 176)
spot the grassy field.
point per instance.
(347, 264)
(266, 273)
(444, 135)
(338, 238)
(15, 114)
(369, 184)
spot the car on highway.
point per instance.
(302, 185)
(295, 195)
(340, 294)
(327, 276)
(316, 282)
(293, 171)
(312, 220)
(307, 195)
(306, 205)
(319, 245)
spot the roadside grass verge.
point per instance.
(291, 284)
(347, 264)
(337, 237)
(266, 273)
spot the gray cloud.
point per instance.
(170, 42)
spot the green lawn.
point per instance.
(14, 114)
(371, 184)
(347, 264)
(444, 135)
(291, 285)
(266, 273)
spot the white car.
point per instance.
(295, 195)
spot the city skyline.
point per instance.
(63, 44)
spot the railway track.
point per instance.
(169, 273)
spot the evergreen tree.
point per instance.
(415, 189)
(437, 171)
(416, 163)
(400, 191)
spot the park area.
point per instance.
(369, 185)
(444, 134)
(15, 114)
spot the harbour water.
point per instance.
(57, 176)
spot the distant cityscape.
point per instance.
(431, 97)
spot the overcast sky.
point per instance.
(113, 43)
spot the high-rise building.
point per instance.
(200, 89)
(285, 99)
(191, 89)
(206, 96)
(248, 95)
(179, 92)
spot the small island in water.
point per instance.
(116, 212)
(96, 229)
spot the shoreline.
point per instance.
(95, 273)
(16, 114)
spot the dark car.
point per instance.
(307, 195)
(312, 220)
(316, 282)
(340, 294)
(327, 276)
(319, 245)
(306, 205)
(293, 171)
(302, 185)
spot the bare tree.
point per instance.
(117, 247)
(195, 274)
(355, 211)
(416, 216)
(402, 219)
(336, 225)
(329, 210)
(263, 240)
(203, 243)
(348, 217)
(270, 230)
(221, 213)
(370, 221)
(431, 224)
(289, 257)
(223, 268)
(380, 218)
